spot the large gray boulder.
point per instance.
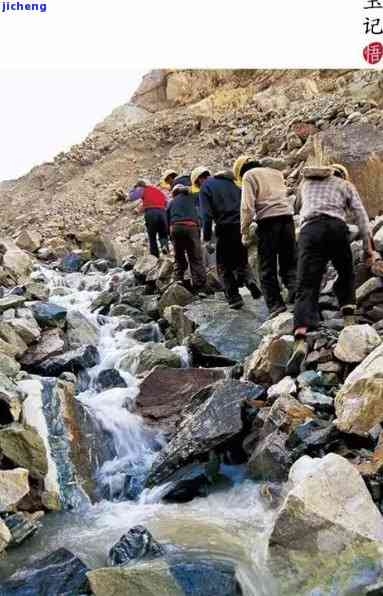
(214, 416)
(81, 331)
(356, 342)
(153, 354)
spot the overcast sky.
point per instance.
(43, 112)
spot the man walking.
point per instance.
(324, 237)
(220, 201)
(264, 200)
(184, 223)
(154, 204)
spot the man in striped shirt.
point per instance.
(324, 237)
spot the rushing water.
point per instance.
(232, 523)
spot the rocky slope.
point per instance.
(182, 118)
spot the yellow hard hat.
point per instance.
(196, 173)
(168, 173)
(337, 167)
(238, 165)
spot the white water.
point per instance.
(232, 523)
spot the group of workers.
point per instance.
(250, 203)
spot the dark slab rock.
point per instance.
(21, 527)
(70, 263)
(137, 544)
(49, 315)
(213, 419)
(109, 378)
(232, 333)
(186, 484)
(59, 574)
(72, 361)
(50, 344)
(145, 333)
(205, 577)
(166, 391)
(270, 460)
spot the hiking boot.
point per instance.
(299, 354)
(277, 310)
(254, 290)
(236, 303)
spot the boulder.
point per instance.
(27, 329)
(24, 447)
(36, 291)
(268, 363)
(179, 323)
(70, 263)
(14, 486)
(283, 324)
(50, 344)
(214, 416)
(49, 315)
(145, 333)
(137, 544)
(286, 414)
(11, 301)
(174, 390)
(270, 460)
(9, 335)
(360, 148)
(358, 405)
(110, 378)
(81, 331)
(144, 266)
(29, 240)
(233, 334)
(5, 538)
(365, 290)
(286, 386)
(152, 355)
(73, 361)
(21, 527)
(58, 574)
(10, 401)
(105, 248)
(8, 366)
(356, 342)
(327, 511)
(17, 262)
(175, 294)
(317, 401)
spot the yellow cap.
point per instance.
(238, 165)
(342, 169)
(196, 173)
(168, 173)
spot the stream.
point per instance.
(232, 523)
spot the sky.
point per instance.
(43, 112)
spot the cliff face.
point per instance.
(181, 119)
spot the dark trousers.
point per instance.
(322, 240)
(232, 261)
(187, 248)
(277, 253)
(156, 225)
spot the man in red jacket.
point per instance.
(154, 204)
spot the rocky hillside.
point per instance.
(182, 118)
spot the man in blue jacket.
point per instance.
(220, 201)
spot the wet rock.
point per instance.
(51, 344)
(24, 447)
(174, 389)
(109, 378)
(103, 301)
(312, 437)
(214, 416)
(186, 484)
(179, 323)
(356, 342)
(152, 355)
(81, 331)
(60, 573)
(137, 544)
(36, 291)
(72, 361)
(11, 301)
(70, 263)
(270, 460)
(232, 334)
(176, 294)
(29, 240)
(21, 528)
(14, 486)
(9, 335)
(268, 363)
(327, 510)
(146, 333)
(49, 315)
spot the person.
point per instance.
(184, 223)
(154, 205)
(220, 201)
(167, 182)
(264, 199)
(324, 237)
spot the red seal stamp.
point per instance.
(373, 53)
